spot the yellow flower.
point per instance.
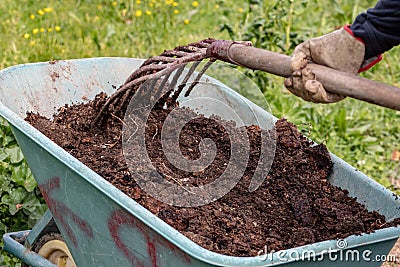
(57, 28)
(151, 4)
(176, 11)
(216, 6)
(138, 13)
(99, 7)
(148, 12)
(35, 31)
(240, 10)
(114, 3)
(32, 16)
(123, 12)
(138, 2)
(186, 21)
(48, 9)
(27, 35)
(169, 2)
(175, 4)
(32, 43)
(96, 18)
(42, 30)
(49, 30)
(195, 3)
(40, 12)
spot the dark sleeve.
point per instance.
(379, 27)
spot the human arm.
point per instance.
(378, 27)
(375, 31)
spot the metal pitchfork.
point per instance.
(243, 54)
(156, 67)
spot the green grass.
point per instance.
(101, 28)
(31, 30)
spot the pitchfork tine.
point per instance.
(201, 73)
(185, 80)
(176, 76)
(157, 67)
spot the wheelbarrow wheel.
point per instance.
(51, 246)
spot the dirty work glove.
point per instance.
(339, 50)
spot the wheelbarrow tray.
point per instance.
(104, 227)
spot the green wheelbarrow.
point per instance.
(92, 223)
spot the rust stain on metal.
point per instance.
(54, 75)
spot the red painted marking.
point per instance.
(119, 218)
(151, 249)
(60, 211)
(115, 221)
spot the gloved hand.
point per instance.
(339, 50)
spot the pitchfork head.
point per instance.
(163, 64)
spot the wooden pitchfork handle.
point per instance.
(334, 81)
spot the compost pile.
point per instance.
(294, 206)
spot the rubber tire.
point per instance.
(45, 238)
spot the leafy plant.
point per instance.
(268, 24)
(21, 204)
